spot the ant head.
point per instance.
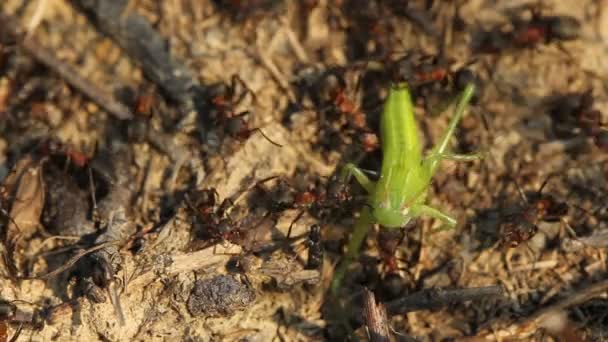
(402, 70)
(225, 226)
(601, 140)
(216, 91)
(330, 85)
(103, 273)
(564, 27)
(315, 231)
(207, 197)
(465, 76)
(7, 309)
(283, 196)
(237, 127)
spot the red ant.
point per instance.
(530, 33)
(216, 221)
(388, 241)
(333, 89)
(576, 109)
(544, 29)
(522, 225)
(434, 80)
(331, 93)
(223, 101)
(426, 70)
(55, 147)
(318, 199)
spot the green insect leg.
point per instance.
(442, 145)
(350, 170)
(362, 225)
(421, 209)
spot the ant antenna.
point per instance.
(266, 137)
(542, 186)
(522, 194)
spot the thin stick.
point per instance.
(375, 318)
(70, 262)
(436, 298)
(71, 76)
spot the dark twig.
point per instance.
(71, 76)
(66, 72)
(71, 262)
(144, 45)
(375, 318)
(429, 299)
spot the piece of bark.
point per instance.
(375, 318)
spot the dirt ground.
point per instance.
(186, 268)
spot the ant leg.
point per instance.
(266, 137)
(567, 227)
(421, 209)
(233, 83)
(362, 225)
(299, 216)
(350, 170)
(442, 145)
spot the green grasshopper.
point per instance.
(401, 191)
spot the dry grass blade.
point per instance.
(27, 205)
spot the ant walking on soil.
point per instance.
(223, 100)
(539, 29)
(10, 313)
(522, 225)
(576, 110)
(334, 97)
(215, 218)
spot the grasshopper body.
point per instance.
(400, 193)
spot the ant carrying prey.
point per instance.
(522, 226)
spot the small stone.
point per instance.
(221, 295)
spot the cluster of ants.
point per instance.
(217, 224)
(337, 103)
